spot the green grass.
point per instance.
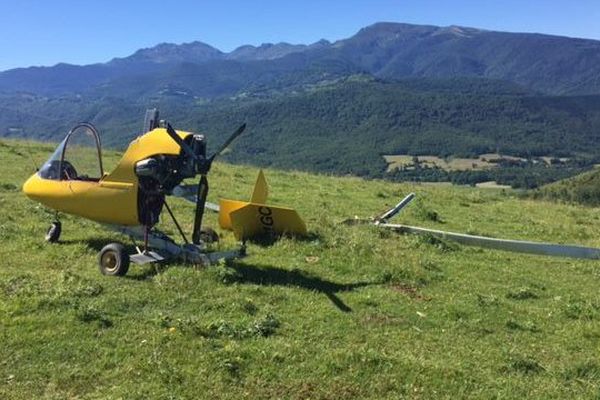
(350, 312)
(582, 189)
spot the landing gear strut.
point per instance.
(53, 233)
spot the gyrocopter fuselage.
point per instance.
(131, 198)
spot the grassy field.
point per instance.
(349, 312)
(484, 161)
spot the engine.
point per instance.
(158, 175)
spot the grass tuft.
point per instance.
(91, 314)
(586, 371)
(581, 309)
(523, 293)
(8, 187)
(526, 366)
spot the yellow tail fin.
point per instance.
(255, 218)
(259, 196)
(261, 189)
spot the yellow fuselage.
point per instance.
(113, 199)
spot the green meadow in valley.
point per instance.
(348, 312)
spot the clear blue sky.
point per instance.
(45, 32)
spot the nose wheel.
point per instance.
(113, 260)
(53, 233)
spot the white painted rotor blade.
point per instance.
(188, 192)
(518, 246)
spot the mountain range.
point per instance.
(543, 63)
(390, 88)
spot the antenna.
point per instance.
(35, 165)
(151, 120)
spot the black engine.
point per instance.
(158, 175)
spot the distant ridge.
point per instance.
(543, 63)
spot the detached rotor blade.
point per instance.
(184, 146)
(231, 138)
(188, 192)
(184, 191)
(200, 202)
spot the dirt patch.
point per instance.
(492, 185)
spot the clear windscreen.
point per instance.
(50, 168)
(77, 156)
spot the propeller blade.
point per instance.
(184, 146)
(200, 202)
(231, 138)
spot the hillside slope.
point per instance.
(345, 126)
(349, 312)
(583, 189)
(546, 63)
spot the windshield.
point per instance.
(50, 168)
(77, 157)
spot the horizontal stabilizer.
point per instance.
(253, 220)
(226, 207)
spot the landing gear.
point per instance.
(113, 260)
(53, 233)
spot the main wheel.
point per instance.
(113, 260)
(209, 235)
(53, 233)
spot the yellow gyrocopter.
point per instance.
(130, 199)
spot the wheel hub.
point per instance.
(109, 261)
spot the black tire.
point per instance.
(113, 260)
(209, 235)
(53, 233)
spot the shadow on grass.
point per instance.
(270, 276)
(267, 240)
(148, 271)
(97, 243)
